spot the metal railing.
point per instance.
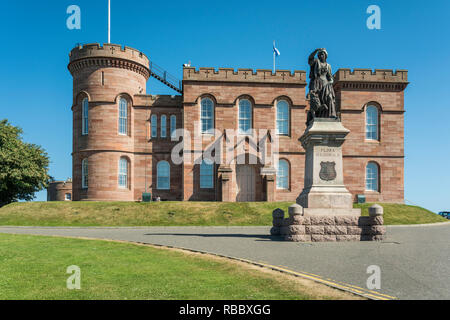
(162, 75)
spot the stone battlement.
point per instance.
(95, 50)
(368, 75)
(244, 75)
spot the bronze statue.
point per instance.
(321, 93)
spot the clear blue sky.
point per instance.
(36, 87)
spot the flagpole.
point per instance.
(274, 62)
(109, 21)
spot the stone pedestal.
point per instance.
(324, 210)
(324, 190)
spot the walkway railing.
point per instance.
(162, 75)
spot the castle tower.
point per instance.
(105, 81)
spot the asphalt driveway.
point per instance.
(414, 260)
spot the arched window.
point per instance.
(163, 126)
(282, 117)
(84, 174)
(207, 115)
(245, 116)
(173, 126)
(372, 177)
(206, 174)
(123, 172)
(372, 123)
(123, 116)
(163, 175)
(283, 175)
(85, 117)
(154, 124)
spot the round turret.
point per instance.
(105, 80)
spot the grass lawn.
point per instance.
(34, 267)
(175, 214)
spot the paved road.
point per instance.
(414, 261)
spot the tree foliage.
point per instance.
(23, 166)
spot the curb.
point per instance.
(418, 225)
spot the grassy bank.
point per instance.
(397, 214)
(175, 214)
(111, 270)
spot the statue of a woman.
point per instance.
(321, 93)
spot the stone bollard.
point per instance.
(376, 210)
(278, 217)
(295, 210)
(377, 230)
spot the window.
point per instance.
(283, 175)
(372, 177)
(163, 126)
(84, 174)
(154, 124)
(282, 117)
(207, 115)
(85, 117)
(206, 174)
(173, 126)
(123, 173)
(372, 123)
(245, 116)
(123, 116)
(163, 175)
(68, 197)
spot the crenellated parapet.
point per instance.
(381, 79)
(244, 75)
(108, 55)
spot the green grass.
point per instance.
(34, 267)
(139, 214)
(398, 214)
(175, 214)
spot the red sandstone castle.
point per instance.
(123, 138)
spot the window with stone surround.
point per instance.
(84, 173)
(123, 173)
(123, 116)
(283, 175)
(282, 117)
(206, 174)
(207, 116)
(372, 129)
(163, 175)
(154, 125)
(85, 117)
(245, 116)
(372, 177)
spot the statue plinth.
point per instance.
(324, 190)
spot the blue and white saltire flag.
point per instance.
(276, 52)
